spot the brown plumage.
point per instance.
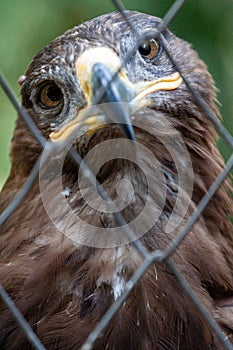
(63, 288)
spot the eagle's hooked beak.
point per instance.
(108, 89)
(105, 82)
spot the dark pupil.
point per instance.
(53, 93)
(145, 48)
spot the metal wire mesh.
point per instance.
(157, 256)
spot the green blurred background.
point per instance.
(28, 25)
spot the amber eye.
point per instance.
(50, 96)
(149, 48)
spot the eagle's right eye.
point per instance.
(50, 96)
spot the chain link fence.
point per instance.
(157, 256)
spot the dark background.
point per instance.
(27, 26)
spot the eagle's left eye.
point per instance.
(149, 48)
(50, 95)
